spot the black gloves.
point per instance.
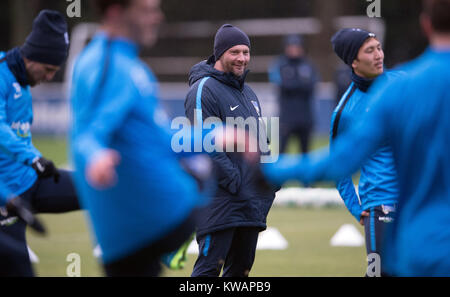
(20, 208)
(45, 168)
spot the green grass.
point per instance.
(308, 232)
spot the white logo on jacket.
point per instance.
(22, 129)
(18, 90)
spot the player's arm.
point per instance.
(18, 150)
(9, 141)
(345, 185)
(348, 194)
(350, 149)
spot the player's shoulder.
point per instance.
(393, 74)
(205, 85)
(141, 77)
(417, 68)
(249, 91)
(390, 78)
(6, 77)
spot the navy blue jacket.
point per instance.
(238, 200)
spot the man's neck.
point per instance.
(115, 30)
(218, 66)
(440, 40)
(364, 76)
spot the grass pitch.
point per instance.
(308, 232)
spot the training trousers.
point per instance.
(232, 248)
(374, 227)
(45, 196)
(147, 261)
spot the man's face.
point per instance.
(39, 72)
(369, 61)
(143, 18)
(294, 51)
(235, 59)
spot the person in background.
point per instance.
(296, 78)
(375, 202)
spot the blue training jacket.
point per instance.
(16, 116)
(412, 111)
(378, 178)
(115, 105)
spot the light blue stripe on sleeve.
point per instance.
(372, 230)
(198, 101)
(207, 244)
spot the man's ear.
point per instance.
(425, 23)
(114, 13)
(354, 63)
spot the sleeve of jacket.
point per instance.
(345, 185)
(229, 176)
(9, 141)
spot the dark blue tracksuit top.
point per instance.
(238, 200)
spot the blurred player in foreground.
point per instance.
(22, 168)
(141, 202)
(412, 112)
(378, 190)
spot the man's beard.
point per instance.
(30, 81)
(231, 70)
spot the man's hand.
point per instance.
(363, 214)
(19, 207)
(101, 173)
(45, 168)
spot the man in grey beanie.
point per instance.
(229, 225)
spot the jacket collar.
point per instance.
(361, 83)
(17, 66)
(206, 68)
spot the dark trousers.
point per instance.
(45, 196)
(14, 258)
(147, 261)
(303, 133)
(374, 227)
(233, 249)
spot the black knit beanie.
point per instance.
(347, 42)
(228, 36)
(48, 41)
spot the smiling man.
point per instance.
(228, 229)
(377, 191)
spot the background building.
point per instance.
(187, 38)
